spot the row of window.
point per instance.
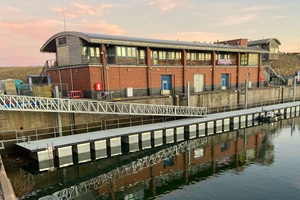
(132, 52)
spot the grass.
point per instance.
(20, 73)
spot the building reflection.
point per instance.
(147, 174)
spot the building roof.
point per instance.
(50, 45)
(262, 41)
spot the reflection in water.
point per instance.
(150, 173)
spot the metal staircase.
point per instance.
(43, 104)
(48, 64)
(279, 79)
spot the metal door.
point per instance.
(225, 80)
(198, 82)
(166, 82)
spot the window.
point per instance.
(274, 50)
(188, 56)
(92, 52)
(171, 55)
(178, 55)
(253, 59)
(88, 52)
(97, 52)
(126, 52)
(62, 41)
(141, 54)
(244, 59)
(193, 56)
(162, 55)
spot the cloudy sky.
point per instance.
(25, 25)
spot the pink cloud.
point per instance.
(232, 20)
(165, 5)
(77, 9)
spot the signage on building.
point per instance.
(224, 62)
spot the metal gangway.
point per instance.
(59, 105)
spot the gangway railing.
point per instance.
(43, 104)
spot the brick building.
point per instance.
(127, 66)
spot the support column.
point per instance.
(104, 72)
(213, 72)
(184, 69)
(149, 68)
(260, 71)
(238, 62)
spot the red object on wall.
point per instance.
(261, 79)
(98, 86)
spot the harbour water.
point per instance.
(260, 162)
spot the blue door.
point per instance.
(166, 82)
(224, 80)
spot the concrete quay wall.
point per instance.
(16, 121)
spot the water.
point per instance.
(260, 162)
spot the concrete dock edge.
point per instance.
(7, 191)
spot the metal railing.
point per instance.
(51, 132)
(43, 104)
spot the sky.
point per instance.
(25, 25)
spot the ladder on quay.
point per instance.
(43, 104)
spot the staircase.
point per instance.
(274, 77)
(48, 64)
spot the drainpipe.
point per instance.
(183, 60)
(103, 61)
(149, 68)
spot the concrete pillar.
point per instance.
(190, 131)
(157, 138)
(249, 120)
(201, 129)
(82, 152)
(288, 113)
(234, 123)
(169, 136)
(99, 149)
(243, 121)
(297, 111)
(45, 159)
(218, 126)
(114, 146)
(210, 128)
(226, 124)
(130, 143)
(145, 140)
(65, 156)
(179, 134)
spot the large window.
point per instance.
(274, 50)
(128, 52)
(244, 59)
(90, 52)
(162, 55)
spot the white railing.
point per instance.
(43, 104)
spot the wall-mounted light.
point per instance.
(167, 69)
(157, 69)
(128, 69)
(76, 70)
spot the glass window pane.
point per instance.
(129, 52)
(92, 50)
(123, 51)
(119, 51)
(133, 52)
(97, 52)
